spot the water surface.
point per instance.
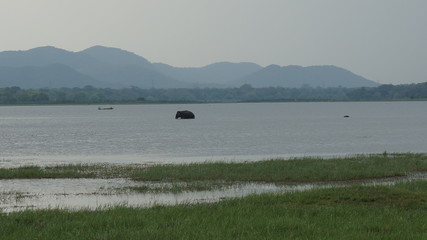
(230, 132)
(75, 194)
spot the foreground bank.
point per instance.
(355, 211)
(381, 212)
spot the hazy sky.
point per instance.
(382, 40)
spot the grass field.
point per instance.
(353, 212)
(277, 170)
(293, 170)
(381, 212)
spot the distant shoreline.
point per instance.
(245, 93)
(213, 102)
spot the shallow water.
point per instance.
(97, 193)
(74, 194)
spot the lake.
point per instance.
(229, 132)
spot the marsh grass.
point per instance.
(276, 170)
(178, 187)
(348, 212)
(293, 170)
(69, 171)
(355, 212)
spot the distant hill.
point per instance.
(116, 57)
(106, 67)
(117, 67)
(221, 74)
(313, 76)
(110, 67)
(51, 76)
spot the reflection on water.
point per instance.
(74, 194)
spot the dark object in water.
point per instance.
(346, 116)
(105, 108)
(184, 115)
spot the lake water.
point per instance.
(44, 135)
(230, 132)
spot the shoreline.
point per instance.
(207, 102)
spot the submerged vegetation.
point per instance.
(178, 187)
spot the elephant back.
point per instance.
(184, 115)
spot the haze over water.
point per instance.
(232, 132)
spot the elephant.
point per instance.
(184, 115)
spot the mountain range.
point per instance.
(106, 67)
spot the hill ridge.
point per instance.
(110, 67)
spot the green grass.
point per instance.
(375, 212)
(293, 170)
(352, 212)
(69, 171)
(276, 170)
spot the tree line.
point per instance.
(92, 95)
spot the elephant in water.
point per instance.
(184, 115)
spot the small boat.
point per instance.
(105, 108)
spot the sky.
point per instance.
(382, 40)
